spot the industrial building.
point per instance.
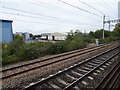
(6, 30)
(25, 35)
(57, 36)
(119, 10)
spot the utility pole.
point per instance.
(103, 26)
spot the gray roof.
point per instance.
(6, 20)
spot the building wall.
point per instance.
(25, 35)
(19, 33)
(7, 33)
(119, 10)
(55, 36)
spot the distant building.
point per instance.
(44, 36)
(19, 33)
(119, 10)
(37, 37)
(6, 30)
(57, 36)
(25, 35)
(77, 31)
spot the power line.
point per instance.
(95, 27)
(72, 13)
(49, 6)
(80, 8)
(108, 9)
(107, 4)
(92, 7)
(49, 23)
(32, 16)
(28, 12)
(103, 6)
(42, 3)
(40, 18)
(36, 22)
(50, 18)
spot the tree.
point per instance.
(31, 35)
(117, 27)
(91, 33)
(116, 31)
(98, 34)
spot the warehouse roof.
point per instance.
(57, 34)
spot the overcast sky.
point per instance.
(46, 16)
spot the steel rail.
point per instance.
(75, 82)
(49, 58)
(106, 81)
(31, 86)
(14, 74)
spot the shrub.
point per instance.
(9, 59)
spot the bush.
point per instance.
(19, 51)
(55, 48)
(9, 59)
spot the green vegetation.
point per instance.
(109, 35)
(18, 50)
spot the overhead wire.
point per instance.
(42, 4)
(35, 13)
(61, 21)
(110, 6)
(93, 8)
(50, 23)
(108, 10)
(29, 12)
(106, 4)
(19, 10)
(99, 2)
(104, 7)
(80, 8)
(50, 18)
(49, 6)
(95, 27)
(55, 24)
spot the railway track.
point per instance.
(79, 75)
(111, 80)
(14, 71)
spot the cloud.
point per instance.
(52, 16)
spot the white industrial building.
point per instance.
(19, 33)
(25, 35)
(57, 36)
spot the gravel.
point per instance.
(22, 80)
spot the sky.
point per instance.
(48, 16)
